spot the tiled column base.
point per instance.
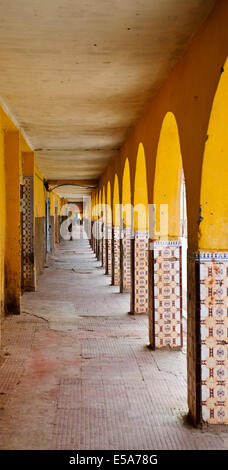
(104, 248)
(97, 246)
(126, 261)
(28, 267)
(116, 257)
(140, 286)
(91, 240)
(166, 303)
(96, 239)
(109, 249)
(102, 243)
(99, 241)
(208, 337)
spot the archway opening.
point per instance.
(126, 197)
(103, 228)
(213, 233)
(169, 326)
(139, 293)
(213, 264)
(108, 234)
(109, 205)
(140, 193)
(116, 203)
(116, 233)
(126, 222)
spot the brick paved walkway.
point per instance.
(75, 372)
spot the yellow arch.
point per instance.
(126, 196)
(213, 232)
(96, 206)
(93, 203)
(99, 203)
(168, 172)
(116, 202)
(109, 204)
(140, 192)
(103, 204)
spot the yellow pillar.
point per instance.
(28, 163)
(13, 223)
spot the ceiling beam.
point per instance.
(90, 183)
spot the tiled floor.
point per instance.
(76, 372)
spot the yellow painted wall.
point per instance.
(99, 203)
(103, 206)
(126, 196)
(52, 203)
(140, 193)
(188, 92)
(12, 259)
(12, 148)
(56, 203)
(93, 203)
(16, 160)
(28, 163)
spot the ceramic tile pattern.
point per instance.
(141, 273)
(126, 260)
(192, 339)
(109, 248)
(104, 247)
(214, 337)
(27, 234)
(167, 294)
(116, 256)
(100, 249)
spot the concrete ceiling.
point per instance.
(72, 193)
(76, 74)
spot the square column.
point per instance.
(94, 233)
(126, 260)
(108, 241)
(97, 231)
(207, 337)
(140, 291)
(28, 224)
(2, 225)
(116, 256)
(100, 242)
(13, 222)
(28, 274)
(165, 310)
(104, 248)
